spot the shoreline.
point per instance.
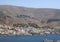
(8, 30)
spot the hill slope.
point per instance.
(14, 14)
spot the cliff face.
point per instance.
(15, 14)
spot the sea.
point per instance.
(28, 38)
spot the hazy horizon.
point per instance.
(33, 3)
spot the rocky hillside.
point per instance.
(40, 16)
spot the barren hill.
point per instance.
(16, 14)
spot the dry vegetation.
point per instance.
(21, 15)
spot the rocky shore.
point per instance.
(9, 30)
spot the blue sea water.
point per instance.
(28, 38)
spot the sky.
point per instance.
(33, 3)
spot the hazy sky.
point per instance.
(33, 3)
